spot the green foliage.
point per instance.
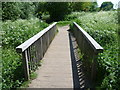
(14, 34)
(12, 71)
(63, 23)
(16, 10)
(27, 10)
(57, 10)
(40, 9)
(102, 26)
(10, 11)
(84, 6)
(74, 15)
(106, 6)
(17, 32)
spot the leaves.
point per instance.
(14, 34)
(102, 26)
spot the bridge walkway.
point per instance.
(56, 69)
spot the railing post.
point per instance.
(25, 64)
(94, 68)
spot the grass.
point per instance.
(25, 84)
(63, 23)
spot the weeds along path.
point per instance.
(56, 69)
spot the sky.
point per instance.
(115, 2)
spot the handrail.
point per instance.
(33, 49)
(89, 49)
(30, 41)
(97, 48)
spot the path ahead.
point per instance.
(56, 69)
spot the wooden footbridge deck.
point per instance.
(61, 65)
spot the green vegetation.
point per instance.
(17, 10)
(106, 6)
(84, 6)
(57, 10)
(25, 84)
(16, 33)
(63, 23)
(102, 26)
(20, 23)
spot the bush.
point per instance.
(102, 26)
(14, 34)
(10, 11)
(106, 6)
(17, 10)
(84, 6)
(57, 10)
(27, 10)
(17, 32)
(12, 71)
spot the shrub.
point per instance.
(102, 26)
(57, 10)
(14, 34)
(12, 71)
(16, 10)
(10, 11)
(17, 32)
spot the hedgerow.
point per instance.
(102, 26)
(15, 33)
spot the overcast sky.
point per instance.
(115, 2)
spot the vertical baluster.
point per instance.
(31, 56)
(34, 55)
(41, 47)
(43, 44)
(25, 64)
(46, 41)
(50, 35)
(29, 60)
(39, 50)
(50, 38)
(94, 68)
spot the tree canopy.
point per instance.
(106, 6)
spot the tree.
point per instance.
(84, 6)
(57, 10)
(106, 6)
(10, 11)
(15, 10)
(40, 9)
(27, 10)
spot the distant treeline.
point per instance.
(56, 10)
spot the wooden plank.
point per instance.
(97, 48)
(30, 41)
